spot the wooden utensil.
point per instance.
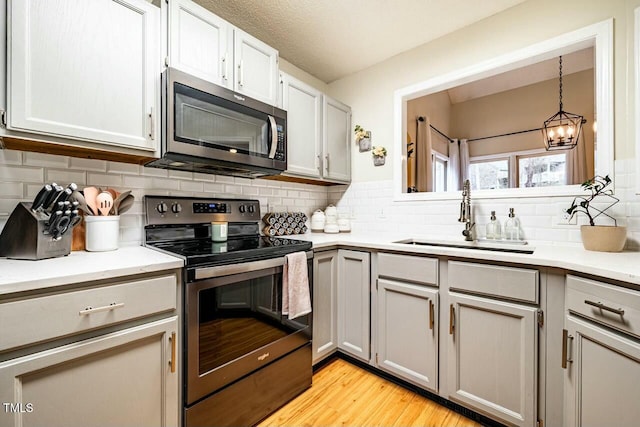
(90, 195)
(104, 202)
(113, 193)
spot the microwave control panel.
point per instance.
(280, 150)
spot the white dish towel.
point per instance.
(296, 300)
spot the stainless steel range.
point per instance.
(243, 358)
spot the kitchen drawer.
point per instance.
(509, 282)
(410, 268)
(608, 304)
(44, 318)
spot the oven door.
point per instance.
(235, 324)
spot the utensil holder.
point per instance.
(24, 236)
(102, 233)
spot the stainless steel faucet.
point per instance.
(465, 212)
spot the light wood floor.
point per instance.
(346, 395)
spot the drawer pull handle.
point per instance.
(601, 306)
(431, 315)
(172, 362)
(565, 338)
(111, 306)
(452, 315)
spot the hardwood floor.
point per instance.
(346, 395)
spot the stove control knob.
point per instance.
(242, 208)
(162, 208)
(252, 209)
(176, 208)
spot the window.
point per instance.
(542, 170)
(489, 174)
(440, 170)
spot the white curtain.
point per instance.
(464, 161)
(577, 164)
(424, 156)
(453, 176)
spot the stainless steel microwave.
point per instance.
(210, 129)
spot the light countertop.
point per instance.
(621, 266)
(23, 276)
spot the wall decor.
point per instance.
(379, 155)
(363, 138)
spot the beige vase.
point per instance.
(603, 238)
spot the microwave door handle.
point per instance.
(274, 137)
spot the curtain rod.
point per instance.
(421, 119)
(504, 134)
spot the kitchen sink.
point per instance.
(513, 247)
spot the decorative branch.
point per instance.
(597, 186)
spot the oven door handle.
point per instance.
(245, 267)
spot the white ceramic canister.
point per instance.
(331, 214)
(102, 233)
(317, 221)
(344, 223)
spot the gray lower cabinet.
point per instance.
(325, 309)
(407, 344)
(601, 354)
(602, 382)
(122, 378)
(354, 303)
(493, 357)
(102, 354)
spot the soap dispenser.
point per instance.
(512, 226)
(494, 230)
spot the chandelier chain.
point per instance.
(560, 83)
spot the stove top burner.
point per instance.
(207, 252)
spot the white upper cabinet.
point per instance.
(85, 70)
(336, 145)
(206, 46)
(198, 42)
(304, 127)
(256, 68)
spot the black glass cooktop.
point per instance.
(201, 252)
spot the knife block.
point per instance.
(23, 236)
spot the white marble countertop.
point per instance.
(621, 266)
(22, 276)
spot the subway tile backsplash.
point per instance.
(22, 174)
(373, 210)
(370, 204)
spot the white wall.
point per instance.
(370, 95)
(370, 92)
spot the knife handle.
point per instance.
(52, 197)
(63, 196)
(42, 195)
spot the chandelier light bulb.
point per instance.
(560, 132)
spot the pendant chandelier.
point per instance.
(562, 130)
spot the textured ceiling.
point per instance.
(331, 39)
